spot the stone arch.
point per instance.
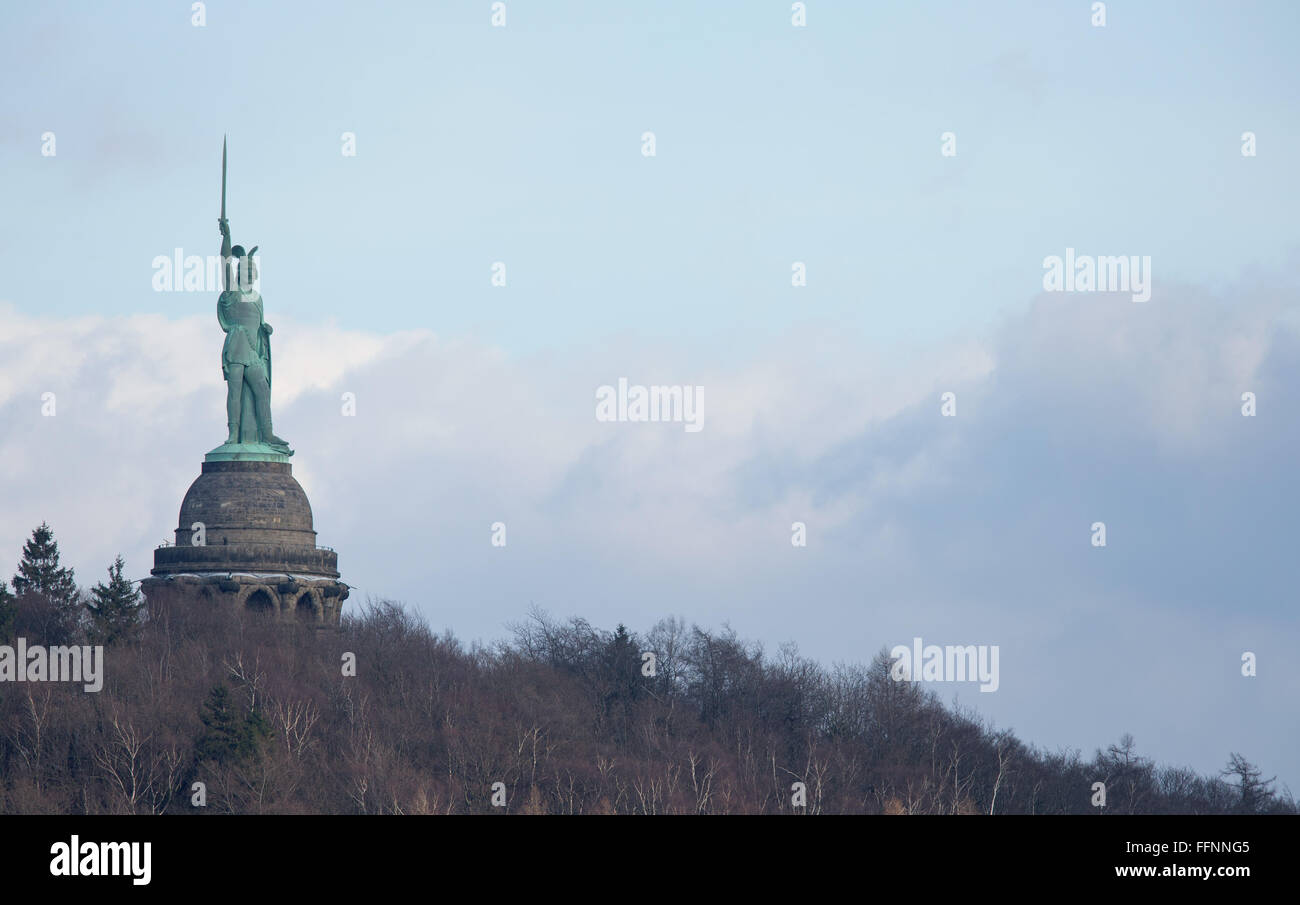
(306, 608)
(260, 601)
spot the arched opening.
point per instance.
(305, 609)
(260, 602)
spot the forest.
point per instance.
(214, 711)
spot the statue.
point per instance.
(246, 355)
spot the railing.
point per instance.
(167, 543)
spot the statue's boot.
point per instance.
(264, 428)
(268, 437)
(232, 413)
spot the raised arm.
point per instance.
(224, 225)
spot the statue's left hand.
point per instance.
(269, 331)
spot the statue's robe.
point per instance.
(247, 343)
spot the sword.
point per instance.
(223, 177)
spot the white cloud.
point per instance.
(1083, 408)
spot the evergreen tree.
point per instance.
(48, 601)
(228, 736)
(40, 572)
(114, 607)
(622, 680)
(6, 611)
(622, 659)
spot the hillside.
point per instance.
(262, 714)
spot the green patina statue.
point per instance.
(246, 355)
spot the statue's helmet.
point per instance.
(245, 268)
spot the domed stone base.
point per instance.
(245, 539)
(310, 602)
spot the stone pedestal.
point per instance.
(245, 539)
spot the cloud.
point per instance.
(971, 529)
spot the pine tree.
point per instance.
(114, 607)
(229, 737)
(40, 573)
(6, 612)
(622, 681)
(49, 602)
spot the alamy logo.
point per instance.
(20, 663)
(656, 403)
(102, 859)
(1107, 273)
(952, 663)
(202, 273)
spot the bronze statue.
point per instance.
(246, 355)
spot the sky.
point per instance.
(774, 144)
